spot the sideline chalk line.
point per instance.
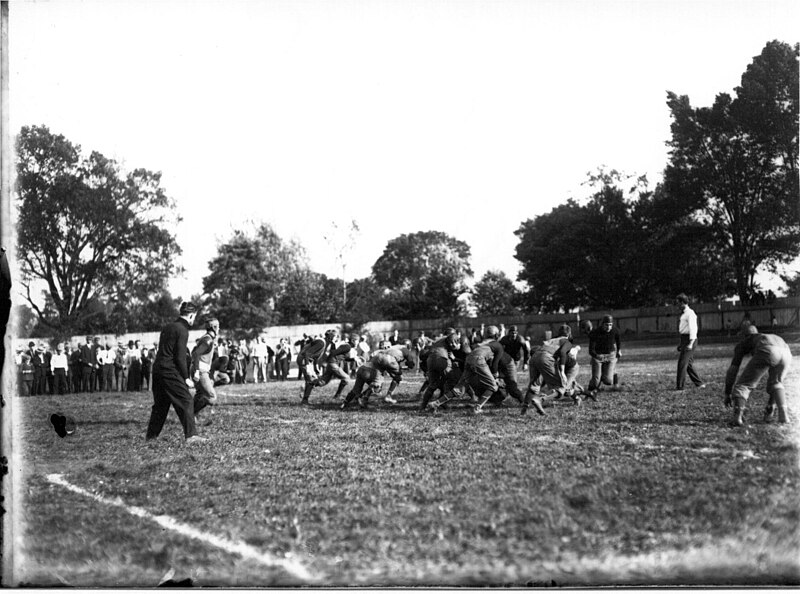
(292, 567)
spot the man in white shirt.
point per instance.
(687, 327)
(58, 365)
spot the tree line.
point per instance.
(100, 239)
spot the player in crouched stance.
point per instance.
(438, 366)
(334, 365)
(307, 359)
(477, 372)
(769, 354)
(385, 362)
(548, 365)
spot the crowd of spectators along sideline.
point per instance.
(92, 366)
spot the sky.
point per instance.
(467, 117)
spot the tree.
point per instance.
(87, 230)
(495, 294)
(310, 298)
(248, 277)
(792, 284)
(733, 166)
(424, 274)
(611, 251)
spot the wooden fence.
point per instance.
(713, 318)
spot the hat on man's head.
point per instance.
(750, 329)
(187, 307)
(608, 320)
(31, 344)
(512, 329)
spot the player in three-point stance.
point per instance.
(371, 373)
(548, 365)
(309, 356)
(769, 355)
(334, 365)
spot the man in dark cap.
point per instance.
(171, 381)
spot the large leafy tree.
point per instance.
(621, 248)
(88, 231)
(424, 274)
(733, 166)
(495, 294)
(310, 298)
(249, 275)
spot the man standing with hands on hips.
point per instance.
(171, 381)
(687, 327)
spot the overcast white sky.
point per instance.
(461, 116)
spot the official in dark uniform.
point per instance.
(171, 381)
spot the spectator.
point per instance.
(26, 370)
(39, 371)
(58, 366)
(134, 359)
(48, 355)
(282, 358)
(121, 367)
(147, 366)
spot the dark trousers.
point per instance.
(60, 380)
(685, 363)
(39, 381)
(86, 378)
(75, 372)
(170, 390)
(108, 377)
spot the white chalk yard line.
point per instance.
(246, 551)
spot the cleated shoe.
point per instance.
(195, 439)
(769, 413)
(389, 400)
(592, 395)
(478, 410)
(362, 402)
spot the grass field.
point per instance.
(646, 486)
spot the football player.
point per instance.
(202, 358)
(334, 365)
(769, 354)
(477, 374)
(307, 359)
